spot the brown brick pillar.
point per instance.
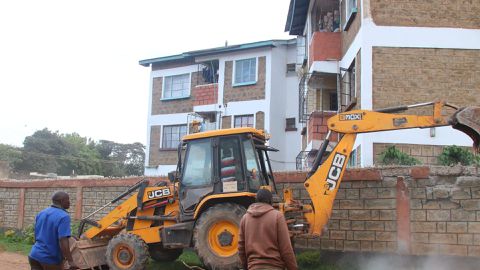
(403, 217)
(79, 203)
(21, 208)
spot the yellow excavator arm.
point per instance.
(324, 179)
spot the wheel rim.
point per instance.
(223, 238)
(123, 256)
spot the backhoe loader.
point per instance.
(217, 177)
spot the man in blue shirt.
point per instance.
(52, 230)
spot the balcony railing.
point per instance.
(325, 46)
(205, 94)
(317, 126)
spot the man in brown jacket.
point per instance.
(264, 242)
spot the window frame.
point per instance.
(234, 83)
(162, 139)
(351, 10)
(290, 127)
(177, 75)
(244, 115)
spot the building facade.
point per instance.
(247, 85)
(373, 54)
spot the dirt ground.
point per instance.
(11, 261)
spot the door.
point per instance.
(197, 176)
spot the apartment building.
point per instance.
(372, 54)
(247, 85)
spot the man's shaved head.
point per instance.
(61, 198)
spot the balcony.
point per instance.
(317, 127)
(325, 46)
(205, 94)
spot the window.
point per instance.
(290, 68)
(352, 161)
(231, 164)
(290, 124)
(245, 71)
(198, 166)
(350, 12)
(243, 121)
(254, 176)
(177, 86)
(172, 135)
(333, 102)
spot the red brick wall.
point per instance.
(317, 126)
(325, 46)
(205, 94)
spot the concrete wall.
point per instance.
(403, 210)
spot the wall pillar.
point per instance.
(403, 217)
(21, 208)
(79, 203)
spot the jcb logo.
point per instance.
(158, 193)
(335, 170)
(350, 117)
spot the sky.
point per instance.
(72, 66)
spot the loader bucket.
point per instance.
(467, 120)
(88, 254)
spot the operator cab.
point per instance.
(222, 161)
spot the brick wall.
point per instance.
(183, 105)
(205, 94)
(404, 76)
(260, 120)
(226, 121)
(435, 13)
(247, 92)
(349, 35)
(157, 155)
(405, 210)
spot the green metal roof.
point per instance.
(192, 54)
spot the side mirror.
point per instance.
(171, 176)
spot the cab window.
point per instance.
(198, 164)
(251, 160)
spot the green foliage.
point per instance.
(10, 153)
(313, 260)
(393, 156)
(452, 155)
(308, 259)
(65, 154)
(188, 257)
(28, 235)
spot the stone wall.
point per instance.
(434, 13)
(401, 210)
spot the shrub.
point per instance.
(309, 259)
(452, 155)
(393, 156)
(28, 235)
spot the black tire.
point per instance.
(210, 222)
(127, 251)
(161, 254)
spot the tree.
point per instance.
(42, 150)
(50, 152)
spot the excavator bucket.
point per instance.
(88, 254)
(467, 120)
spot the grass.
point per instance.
(7, 244)
(188, 257)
